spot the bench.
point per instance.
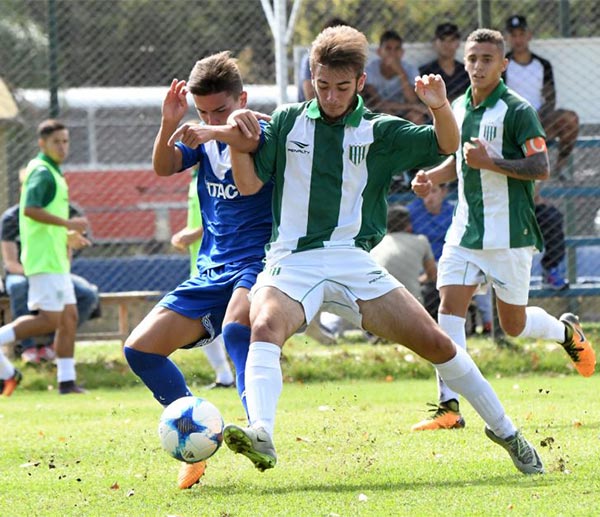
(579, 285)
(122, 300)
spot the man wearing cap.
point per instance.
(531, 77)
(446, 43)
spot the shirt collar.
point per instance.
(46, 158)
(490, 100)
(351, 119)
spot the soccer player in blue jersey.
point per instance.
(236, 229)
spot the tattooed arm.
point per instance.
(535, 166)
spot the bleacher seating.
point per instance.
(149, 273)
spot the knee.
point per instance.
(69, 320)
(266, 328)
(441, 348)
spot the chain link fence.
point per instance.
(103, 67)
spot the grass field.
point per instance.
(344, 447)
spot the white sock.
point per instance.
(7, 370)
(264, 383)
(217, 357)
(65, 369)
(454, 326)
(540, 324)
(463, 376)
(7, 335)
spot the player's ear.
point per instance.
(361, 82)
(243, 100)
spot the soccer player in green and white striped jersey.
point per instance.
(332, 161)
(494, 232)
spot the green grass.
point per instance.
(338, 443)
(342, 436)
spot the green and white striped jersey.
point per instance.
(331, 181)
(493, 210)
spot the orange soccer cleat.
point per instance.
(577, 346)
(10, 385)
(445, 416)
(190, 474)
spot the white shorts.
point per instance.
(508, 270)
(331, 279)
(50, 292)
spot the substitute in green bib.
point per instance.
(494, 233)
(47, 233)
(332, 162)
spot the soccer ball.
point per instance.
(191, 429)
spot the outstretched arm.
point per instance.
(432, 91)
(242, 162)
(242, 131)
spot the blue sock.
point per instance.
(237, 342)
(159, 373)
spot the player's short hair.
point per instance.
(390, 35)
(49, 126)
(398, 219)
(487, 36)
(340, 47)
(215, 74)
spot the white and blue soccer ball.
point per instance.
(191, 429)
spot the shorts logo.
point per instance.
(489, 133)
(379, 274)
(357, 153)
(275, 270)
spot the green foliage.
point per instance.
(102, 365)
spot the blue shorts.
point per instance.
(207, 295)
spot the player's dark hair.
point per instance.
(487, 36)
(390, 35)
(49, 126)
(215, 74)
(341, 47)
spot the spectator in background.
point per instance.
(406, 256)
(531, 76)
(390, 86)
(17, 285)
(189, 239)
(551, 224)
(431, 216)
(306, 91)
(46, 233)
(446, 42)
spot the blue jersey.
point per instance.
(236, 227)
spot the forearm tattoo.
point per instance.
(530, 168)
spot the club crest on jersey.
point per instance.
(489, 132)
(357, 153)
